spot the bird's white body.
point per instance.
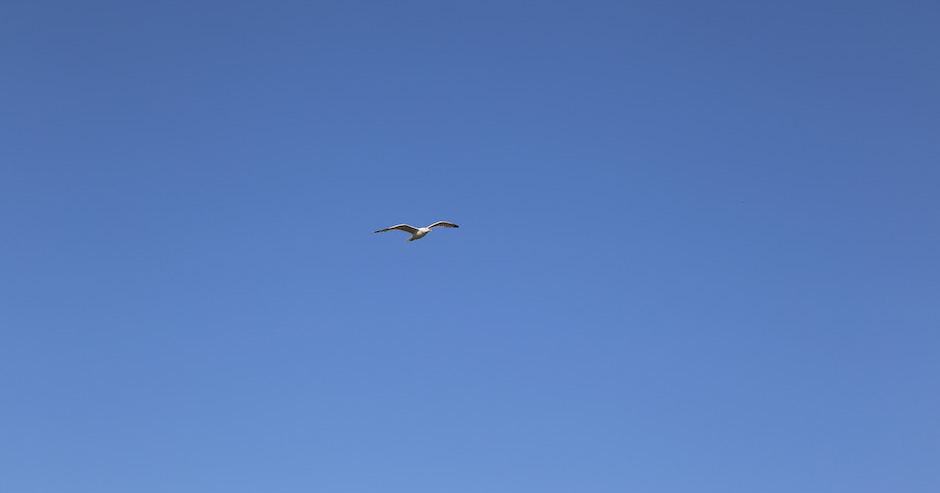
(418, 233)
(422, 232)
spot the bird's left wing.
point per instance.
(402, 227)
(443, 224)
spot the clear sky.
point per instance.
(698, 247)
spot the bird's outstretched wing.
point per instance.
(401, 227)
(444, 224)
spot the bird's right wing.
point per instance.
(444, 224)
(401, 227)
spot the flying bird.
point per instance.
(418, 233)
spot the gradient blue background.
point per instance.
(698, 247)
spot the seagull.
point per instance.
(418, 233)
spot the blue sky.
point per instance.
(698, 247)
